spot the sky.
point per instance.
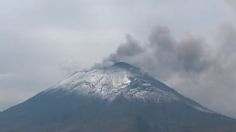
(188, 44)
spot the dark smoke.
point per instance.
(232, 3)
(164, 54)
(203, 71)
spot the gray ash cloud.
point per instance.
(201, 70)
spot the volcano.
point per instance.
(116, 98)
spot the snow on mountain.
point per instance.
(115, 98)
(121, 79)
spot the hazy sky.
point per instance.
(43, 41)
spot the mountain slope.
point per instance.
(118, 98)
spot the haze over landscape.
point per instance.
(188, 45)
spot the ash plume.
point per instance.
(190, 64)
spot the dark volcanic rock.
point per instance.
(119, 98)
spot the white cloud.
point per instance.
(4, 76)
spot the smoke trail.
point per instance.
(189, 65)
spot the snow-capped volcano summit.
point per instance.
(121, 79)
(116, 98)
